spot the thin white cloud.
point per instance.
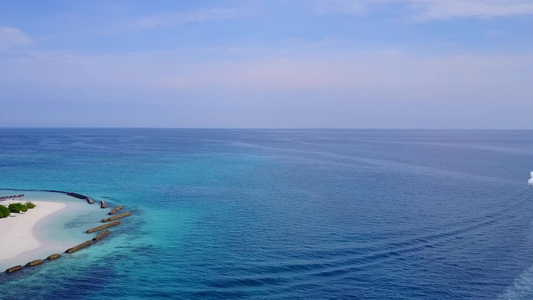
(350, 7)
(193, 16)
(425, 10)
(10, 37)
(431, 10)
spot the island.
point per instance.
(38, 225)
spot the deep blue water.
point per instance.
(286, 214)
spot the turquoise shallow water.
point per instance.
(286, 214)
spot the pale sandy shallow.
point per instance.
(18, 229)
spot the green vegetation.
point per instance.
(17, 207)
(4, 211)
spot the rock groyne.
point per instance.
(116, 209)
(105, 226)
(14, 269)
(75, 195)
(116, 217)
(53, 256)
(101, 236)
(34, 263)
(79, 247)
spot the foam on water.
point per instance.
(521, 289)
(530, 181)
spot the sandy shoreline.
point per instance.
(18, 228)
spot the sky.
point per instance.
(267, 64)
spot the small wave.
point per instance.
(530, 181)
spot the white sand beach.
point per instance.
(18, 229)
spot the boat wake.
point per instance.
(522, 287)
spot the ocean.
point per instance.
(286, 214)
